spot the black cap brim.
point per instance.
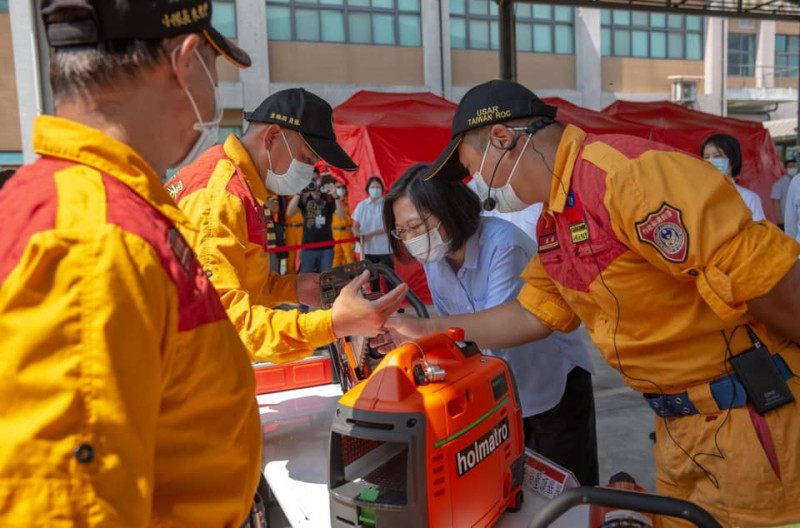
(227, 48)
(447, 167)
(330, 152)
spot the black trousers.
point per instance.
(566, 434)
(375, 284)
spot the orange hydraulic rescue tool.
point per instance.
(433, 437)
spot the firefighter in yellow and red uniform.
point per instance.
(692, 301)
(129, 397)
(294, 236)
(223, 193)
(344, 253)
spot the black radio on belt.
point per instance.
(763, 382)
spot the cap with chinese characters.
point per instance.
(85, 22)
(311, 116)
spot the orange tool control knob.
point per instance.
(456, 334)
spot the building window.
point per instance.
(787, 55)
(651, 35)
(382, 22)
(3, 6)
(540, 28)
(223, 17)
(741, 54)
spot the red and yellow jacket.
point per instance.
(629, 239)
(128, 397)
(223, 195)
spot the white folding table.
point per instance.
(297, 427)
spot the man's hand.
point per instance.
(353, 315)
(307, 289)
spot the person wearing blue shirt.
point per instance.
(473, 263)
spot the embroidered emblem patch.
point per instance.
(182, 251)
(175, 188)
(571, 200)
(579, 232)
(664, 230)
(548, 242)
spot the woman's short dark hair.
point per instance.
(454, 204)
(730, 146)
(374, 179)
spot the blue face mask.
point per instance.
(722, 164)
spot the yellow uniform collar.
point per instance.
(566, 155)
(241, 158)
(60, 138)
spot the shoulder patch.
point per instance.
(664, 230)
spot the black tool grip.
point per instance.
(629, 500)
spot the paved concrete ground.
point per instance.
(624, 423)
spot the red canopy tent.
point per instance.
(595, 122)
(686, 129)
(385, 134)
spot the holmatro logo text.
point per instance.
(484, 446)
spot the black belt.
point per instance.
(728, 392)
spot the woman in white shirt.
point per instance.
(725, 153)
(368, 226)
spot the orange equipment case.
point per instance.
(432, 438)
(306, 373)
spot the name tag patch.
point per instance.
(548, 242)
(182, 251)
(579, 232)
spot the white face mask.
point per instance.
(209, 130)
(505, 197)
(294, 180)
(428, 247)
(791, 171)
(341, 191)
(375, 193)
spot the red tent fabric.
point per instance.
(686, 129)
(385, 134)
(595, 122)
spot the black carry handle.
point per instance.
(629, 500)
(393, 281)
(348, 354)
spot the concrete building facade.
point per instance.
(588, 56)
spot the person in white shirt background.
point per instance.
(780, 189)
(725, 153)
(791, 212)
(368, 226)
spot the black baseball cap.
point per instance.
(87, 22)
(300, 110)
(486, 104)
